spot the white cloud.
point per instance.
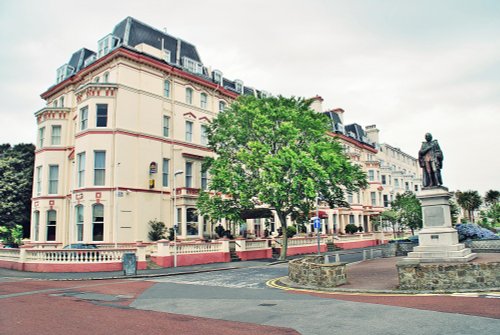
(410, 67)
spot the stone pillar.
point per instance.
(438, 240)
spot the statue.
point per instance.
(430, 159)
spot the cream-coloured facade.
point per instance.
(124, 126)
(114, 134)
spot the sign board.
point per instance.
(119, 194)
(317, 222)
(153, 168)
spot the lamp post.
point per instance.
(176, 173)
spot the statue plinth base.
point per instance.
(438, 240)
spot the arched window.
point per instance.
(191, 221)
(79, 223)
(36, 225)
(189, 96)
(105, 77)
(51, 225)
(98, 222)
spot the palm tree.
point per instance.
(491, 197)
(469, 201)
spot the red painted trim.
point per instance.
(190, 114)
(39, 151)
(111, 189)
(204, 118)
(255, 254)
(355, 244)
(192, 259)
(301, 250)
(193, 156)
(353, 141)
(140, 58)
(149, 137)
(49, 197)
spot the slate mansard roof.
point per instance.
(131, 32)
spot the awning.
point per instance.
(322, 214)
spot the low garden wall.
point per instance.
(439, 277)
(312, 271)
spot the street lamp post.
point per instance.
(176, 173)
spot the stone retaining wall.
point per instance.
(415, 276)
(311, 271)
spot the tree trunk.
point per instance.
(284, 247)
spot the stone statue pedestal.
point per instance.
(438, 240)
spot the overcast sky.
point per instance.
(410, 67)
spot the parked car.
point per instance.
(410, 239)
(80, 246)
(80, 254)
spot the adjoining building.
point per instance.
(125, 126)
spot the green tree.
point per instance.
(409, 210)
(276, 151)
(157, 231)
(390, 216)
(16, 183)
(454, 211)
(491, 217)
(491, 197)
(469, 201)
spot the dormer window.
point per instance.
(238, 86)
(89, 60)
(264, 94)
(166, 55)
(64, 72)
(106, 45)
(217, 77)
(192, 65)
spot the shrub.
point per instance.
(157, 231)
(290, 231)
(473, 231)
(351, 228)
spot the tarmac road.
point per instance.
(234, 301)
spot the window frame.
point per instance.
(165, 167)
(188, 174)
(51, 226)
(53, 182)
(53, 137)
(100, 169)
(166, 126)
(80, 167)
(79, 223)
(189, 131)
(203, 100)
(84, 118)
(99, 118)
(189, 95)
(96, 223)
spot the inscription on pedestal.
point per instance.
(433, 216)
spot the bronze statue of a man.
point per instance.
(430, 158)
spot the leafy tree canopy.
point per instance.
(469, 201)
(491, 197)
(16, 183)
(276, 151)
(409, 210)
